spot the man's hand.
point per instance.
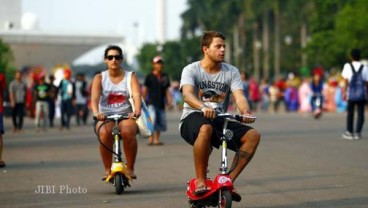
(248, 117)
(208, 112)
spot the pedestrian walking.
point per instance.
(52, 100)
(17, 95)
(41, 98)
(355, 74)
(81, 99)
(156, 91)
(67, 94)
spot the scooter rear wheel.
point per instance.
(118, 181)
(226, 199)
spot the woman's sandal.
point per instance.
(130, 176)
(2, 164)
(111, 180)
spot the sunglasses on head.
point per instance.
(111, 57)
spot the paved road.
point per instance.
(300, 162)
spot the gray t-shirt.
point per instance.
(19, 90)
(212, 89)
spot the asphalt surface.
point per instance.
(300, 162)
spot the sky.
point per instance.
(107, 16)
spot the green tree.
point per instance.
(352, 27)
(331, 37)
(144, 58)
(323, 32)
(6, 61)
(176, 55)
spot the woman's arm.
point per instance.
(136, 94)
(95, 94)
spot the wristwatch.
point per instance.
(203, 106)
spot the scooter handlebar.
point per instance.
(237, 117)
(113, 117)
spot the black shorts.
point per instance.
(192, 123)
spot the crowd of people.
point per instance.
(46, 99)
(296, 93)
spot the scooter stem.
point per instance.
(223, 168)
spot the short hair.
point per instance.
(208, 36)
(355, 54)
(115, 48)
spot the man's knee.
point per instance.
(252, 136)
(205, 132)
(206, 129)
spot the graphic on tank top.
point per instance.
(114, 99)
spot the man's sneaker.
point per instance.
(348, 135)
(357, 136)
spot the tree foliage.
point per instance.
(6, 61)
(331, 29)
(176, 55)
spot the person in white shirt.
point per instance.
(347, 74)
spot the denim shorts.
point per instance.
(158, 117)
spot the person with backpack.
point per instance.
(355, 74)
(81, 96)
(67, 96)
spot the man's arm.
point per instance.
(11, 95)
(144, 93)
(241, 102)
(145, 88)
(168, 97)
(190, 98)
(194, 102)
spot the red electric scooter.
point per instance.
(221, 188)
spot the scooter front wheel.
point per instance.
(118, 181)
(226, 199)
(193, 204)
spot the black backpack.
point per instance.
(356, 91)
